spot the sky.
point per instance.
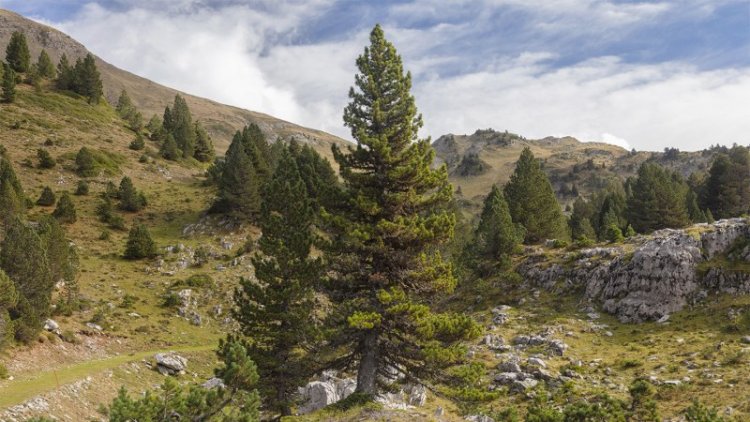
(640, 74)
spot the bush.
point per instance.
(137, 144)
(699, 412)
(45, 159)
(47, 198)
(105, 235)
(170, 300)
(3, 372)
(614, 234)
(65, 212)
(200, 281)
(584, 242)
(82, 188)
(139, 244)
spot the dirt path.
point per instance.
(26, 386)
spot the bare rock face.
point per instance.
(659, 277)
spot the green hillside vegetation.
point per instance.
(287, 266)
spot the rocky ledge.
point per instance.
(652, 276)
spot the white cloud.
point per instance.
(229, 52)
(652, 106)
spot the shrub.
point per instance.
(3, 372)
(200, 281)
(65, 212)
(82, 188)
(614, 234)
(45, 159)
(139, 244)
(584, 242)
(47, 198)
(699, 412)
(170, 300)
(137, 144)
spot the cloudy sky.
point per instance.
(643, 74)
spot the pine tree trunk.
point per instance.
(368, 364)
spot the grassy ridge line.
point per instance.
(19, 390)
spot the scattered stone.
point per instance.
(213, 383)
(745, 339)
(327, 390)
(94, 327)
(51, 325)
(523, 385)
(663, 319)
(537, 362)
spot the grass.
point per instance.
(23, 388)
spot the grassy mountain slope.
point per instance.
(124, 297)
(485, 157)
(150, 98)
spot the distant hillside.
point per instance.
(487, 156)
(150, 98)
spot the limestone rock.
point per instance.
(170, 363)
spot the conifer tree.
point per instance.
(727, 191)
(12, 198)
(319, 177)
(275, 311)
(695, 214)
(496, 237)
(65, 74)
(44, 66)
(204, 147)
(45, 159)
(532, 201)
(182, 128)
(580, 220)
(167, 124)
(82, 188)
(17, 53)
(384, 251)
(124, 104)
(24, 260)
(169, 149)
(153, 126)
(139, 244)
(239, 184)
(87, 80)
(658, 200)
(130, 199)
(9, 84)
(47, 198)
(8, 301)
(85, 163)
(65, 212)
(62, 259)
(138, 143)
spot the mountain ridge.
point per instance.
(149, 97)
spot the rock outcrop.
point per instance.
(660, 276)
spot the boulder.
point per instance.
(170, 363)
(479, 418)
(328, 389)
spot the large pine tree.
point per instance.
(243, 172)
(532, 201)
(87, 80)
(385, 239)
(496, 236)
(658, 200)
(204, 147)
(12, 197)
(182, 127)
(275, 311)
(17, 53)
(727, 190)
(8, 301)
